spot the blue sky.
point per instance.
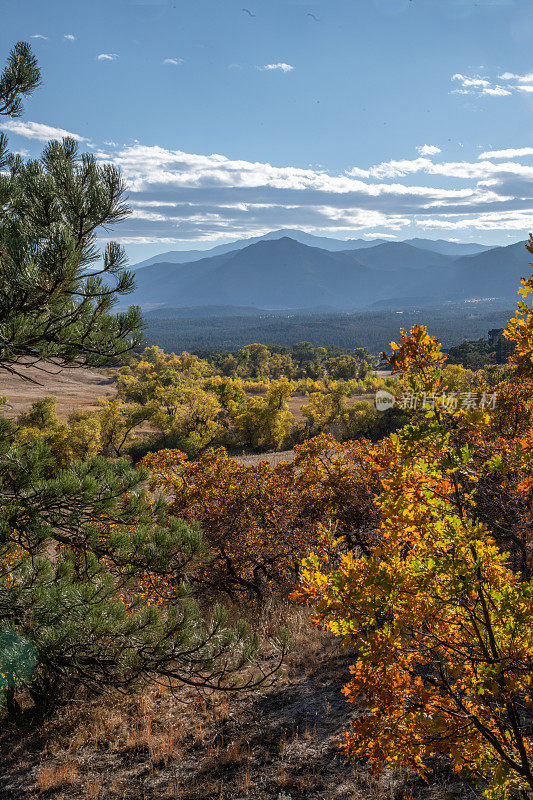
(343, 117)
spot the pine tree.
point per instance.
(56, 291)
(93, 574)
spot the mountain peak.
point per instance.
(282, 272)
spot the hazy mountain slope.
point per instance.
(166, 283)
(495, 273)
(283, 273)
(280, 273)
(324, 242)
(449, 248)
(400, 256)
(182, 256)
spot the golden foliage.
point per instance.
(439, 610)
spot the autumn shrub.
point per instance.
(258, 521)
(438, 612)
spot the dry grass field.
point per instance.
(79, 390)
(74, 389)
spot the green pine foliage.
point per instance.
(93, 573)
(56, 289)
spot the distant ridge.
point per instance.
(282, 273)
(450, 248)
(324, 242)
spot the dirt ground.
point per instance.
(75, 389)
(276, 744)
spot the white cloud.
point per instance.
(467, 82)
(39, 36)
(70, 37)
(146, 166)
(175, 61)
(483, 86)
(37, 130)
(491, 221)
(499, 91)
(428, 150)
(279, 66)
(380, 235)
(481, 171)
(179, 196)
(511, 152)
(512, 76)
(107, 57)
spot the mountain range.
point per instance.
(280, 271)
(324, 242)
